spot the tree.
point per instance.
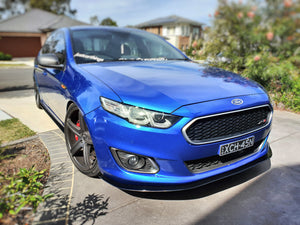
(261, 41)
(94, 20)
(60, 7)
(108, 22)
(11, 8)
(15, 7)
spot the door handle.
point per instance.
(45, 73)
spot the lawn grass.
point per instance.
(13, 129)
(12, 65)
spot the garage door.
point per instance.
(20, 46)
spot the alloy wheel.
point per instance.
(79, 142)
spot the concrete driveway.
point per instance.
(266, 194)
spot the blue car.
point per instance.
(142, 115)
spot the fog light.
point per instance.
(133, 162)
(136, 162)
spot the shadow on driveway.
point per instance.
(16, 88)
(57, 208)
(274, 199)
(20, 93)
(208, 189)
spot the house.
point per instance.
(23, 35)
(177, 30)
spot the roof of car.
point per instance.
(102, 27)
(125, 29)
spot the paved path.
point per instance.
(60, 182)
(265, 194)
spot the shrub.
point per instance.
(261, 41)
(5, 56)
(22, 189)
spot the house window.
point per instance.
(184, 30)
(195, 31)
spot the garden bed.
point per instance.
(24, 170)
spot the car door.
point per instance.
(53, 91)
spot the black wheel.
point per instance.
(37, 96)
(79, 143)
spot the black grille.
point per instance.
(228, 125)
(205, 164)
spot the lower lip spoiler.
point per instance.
(192, 185)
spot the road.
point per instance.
(15, 79)
(266, 194)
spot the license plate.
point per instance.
(236, 146)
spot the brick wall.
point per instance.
(183, 42)
(154, 30)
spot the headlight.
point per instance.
(139, 116)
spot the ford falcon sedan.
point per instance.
(139, 113)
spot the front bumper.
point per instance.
(167, 147)
(186, 186)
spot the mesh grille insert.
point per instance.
(205, 164)
(228, 125)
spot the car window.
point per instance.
(55, 44)
(47, 44)
(97, 45)
(155, 49)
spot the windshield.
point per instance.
(99, 45)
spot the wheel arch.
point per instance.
(68, 104)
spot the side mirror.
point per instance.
(49, 60)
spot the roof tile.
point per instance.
(168, 20)
(36, 21)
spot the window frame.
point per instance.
(50, 40)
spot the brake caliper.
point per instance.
(78, 125)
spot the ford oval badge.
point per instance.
(237, 101)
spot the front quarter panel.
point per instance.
(85, 90)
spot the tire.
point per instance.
(79, 143)
(37, 96)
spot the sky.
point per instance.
(133, 12)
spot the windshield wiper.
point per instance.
(152, 59)
(183, 59)
(89, 57)
(143, 59)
